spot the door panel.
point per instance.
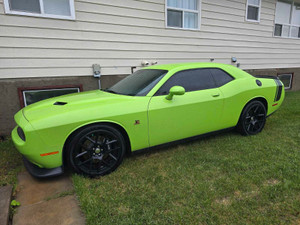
(191, 114)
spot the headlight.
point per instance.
(21, 133)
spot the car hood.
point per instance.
(66, 104)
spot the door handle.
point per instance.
(216, 95)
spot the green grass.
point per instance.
(223, 179)
(10, 163)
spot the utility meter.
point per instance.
(97, 70)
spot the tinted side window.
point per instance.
(191, 80)
(221, 77)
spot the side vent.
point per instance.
(278, 90)
(60, 103)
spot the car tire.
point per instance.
(252, 119)
(96, 150)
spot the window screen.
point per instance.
(221, 77)
(57, 7)
(174, 18)
(191, 80)
(287, 19)
(183, 13)
(253, 10)
(252, 13)
(44, 8)
(25, 5)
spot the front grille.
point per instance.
(21, 133)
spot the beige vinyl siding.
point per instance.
(120, 34)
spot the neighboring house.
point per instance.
(52, 44)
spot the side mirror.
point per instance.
(176, 90)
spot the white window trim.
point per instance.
(291, 80)
(42, 14)
(259, 10)
(49, 89)
(286, 24)
(183, 10)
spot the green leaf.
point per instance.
(15, 203)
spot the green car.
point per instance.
(91, 131)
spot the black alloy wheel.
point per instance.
(96, 150)
(253, 118)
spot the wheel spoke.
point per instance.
(111, 150)
(253, 127)
(111, 155)
(91, 164)
(81, 154)
(84, 147)
(256, 127)
(260, 122)
(111, 142)
(249, 127)
(105, 162)
(96, 139)
(247, 122)
(86, 161)
(90, 139)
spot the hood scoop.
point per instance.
(60, 103)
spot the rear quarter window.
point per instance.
(221, 77)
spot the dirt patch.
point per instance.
(123, 209)
(271, 182)
(224, 201)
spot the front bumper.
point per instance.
(38, 172)
(34, 149)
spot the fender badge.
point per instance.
(137, 122)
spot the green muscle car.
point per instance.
(91, 131)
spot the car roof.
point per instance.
(232, 70)
(185, 65)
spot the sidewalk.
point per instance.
(5, 198)
(46, 201)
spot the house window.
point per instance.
(253, 10)
(287, 19)
(286, 79)
(183, 14)
(60, 9)
(29, 96)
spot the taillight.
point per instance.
(21, 133)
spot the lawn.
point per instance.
(10, 163)
(223, 179)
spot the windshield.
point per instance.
(139, 83)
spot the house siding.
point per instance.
(120, 34)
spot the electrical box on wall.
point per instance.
(97, 70)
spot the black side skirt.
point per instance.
(185, 140)
(38, 172)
